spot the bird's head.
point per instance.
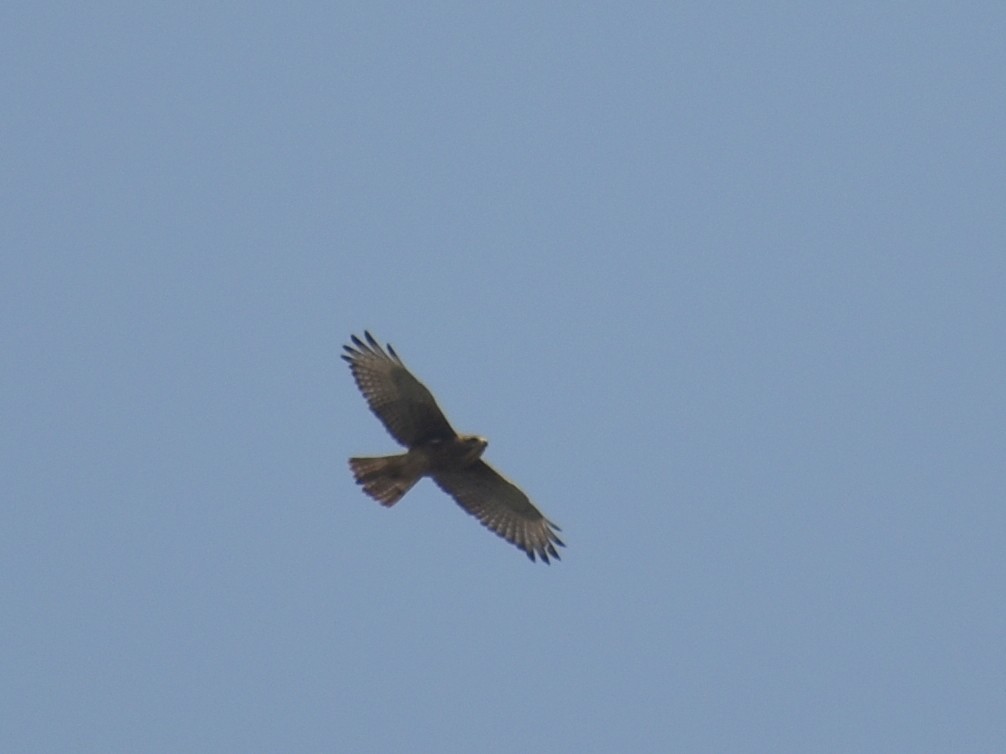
(474, 446)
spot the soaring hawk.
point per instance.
(411, 416)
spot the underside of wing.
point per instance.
(503, 508)
(402, 403)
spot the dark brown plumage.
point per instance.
(411, 415)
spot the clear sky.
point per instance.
(724, 284)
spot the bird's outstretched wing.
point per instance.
(402, 403)
(501, 507)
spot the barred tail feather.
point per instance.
(386, 479)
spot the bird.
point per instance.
(410, 414)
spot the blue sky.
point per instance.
(722, 284)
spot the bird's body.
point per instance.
(411, 415)
(388, 478)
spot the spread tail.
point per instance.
(386, 479)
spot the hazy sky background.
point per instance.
(723, 284)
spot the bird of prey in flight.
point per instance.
(411, 416)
